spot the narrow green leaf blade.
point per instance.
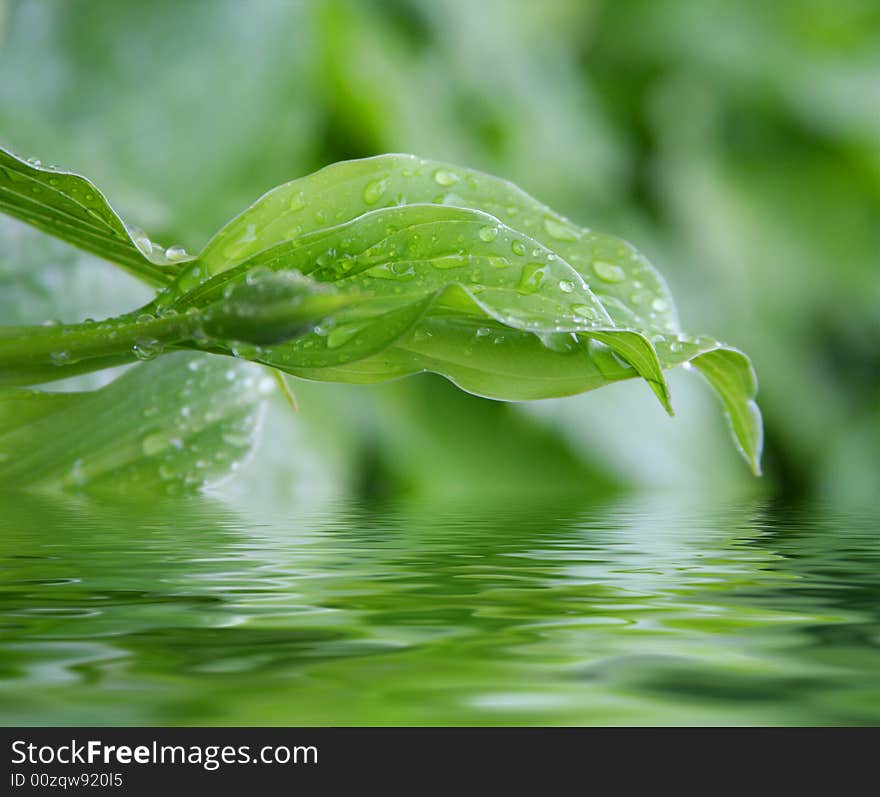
(732, 376)
(70, 207)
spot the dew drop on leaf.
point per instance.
(488, 233)
(608, 272)
(584, 310)
(518, 248)
(531, 277)
(146, 348)
(175, 253)
(373, 191)
(236, 439)
(560, 230)
(445, 177)
(77, 474)
(340, 335)
(565, 286)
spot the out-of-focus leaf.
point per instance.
(68, 206)
(170, 425)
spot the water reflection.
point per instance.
(642, 611)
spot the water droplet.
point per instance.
(531, 277)
(297, 201)
(518, 247)
(190, 278)
(146, 348)
(584, 310)
(498, 262)
(559, 342)
(257, 274)
(488, 233)
(483, 331)
(59, 357)
(660, 305)
(244, 245)
(608, 272)
(620, 361)
(236, 439)
(77, 474)
(445, 177)
(566, 286)
(560, 230)
(341, 335)
(175, 253)
(421, 335)
(373, 191)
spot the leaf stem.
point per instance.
(34, 354)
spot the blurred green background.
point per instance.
(736, 143)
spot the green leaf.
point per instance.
(70, 207)
(632, 291)
(170, 425)
(447, 260)
(433, 268)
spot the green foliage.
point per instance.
(70, 207)
(383, 267)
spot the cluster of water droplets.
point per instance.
(212, 425)
(154, 251)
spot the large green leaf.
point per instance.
(432, 268)
(70, 207)
(633, 292)
(289, 225)
(411, 259)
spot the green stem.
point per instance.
(34, 354)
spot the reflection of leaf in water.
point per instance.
(423, 614)
(171, 425)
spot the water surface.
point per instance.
(644, 611)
